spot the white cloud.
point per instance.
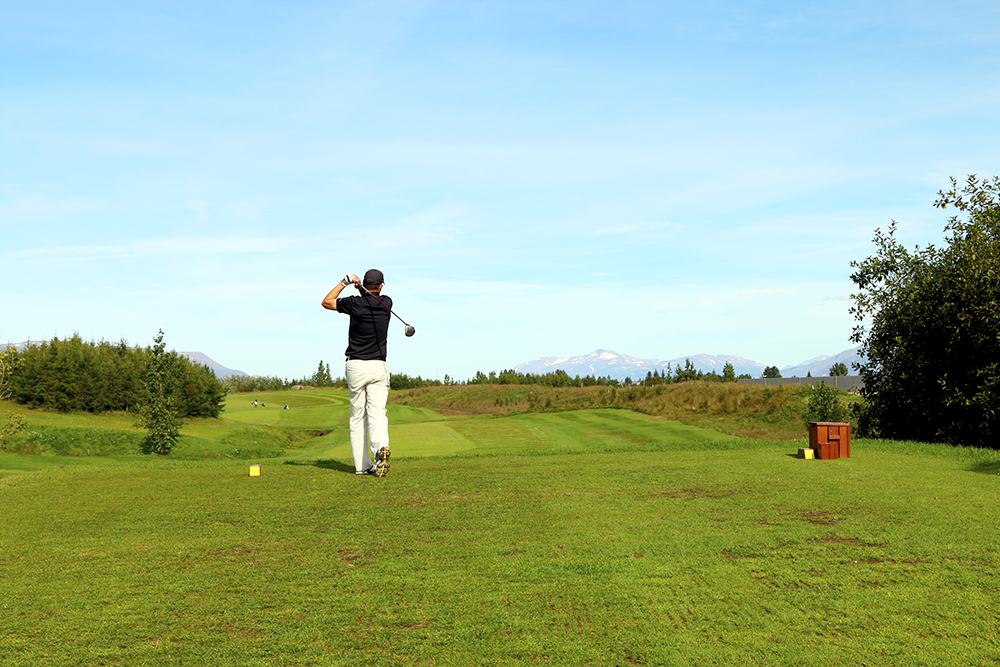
(767, 291)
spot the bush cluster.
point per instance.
(824, 405)
(74, 375)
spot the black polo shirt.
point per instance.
(369, 326)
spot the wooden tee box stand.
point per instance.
(830, 440)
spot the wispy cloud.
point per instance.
(638, 228)
(22, 204)
(444, 223)
(767, 291)
(192, 246)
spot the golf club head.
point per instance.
(410, 331)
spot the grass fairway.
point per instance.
(583, 538)
(315, 428)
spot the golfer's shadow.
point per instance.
(334, 464)
(328, 464)
(988, 468)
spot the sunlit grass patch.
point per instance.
(738, 409)
(672, 556)
(594, 536)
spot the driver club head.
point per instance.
(410, 331)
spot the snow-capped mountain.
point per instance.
(221, 371)
(820, 366)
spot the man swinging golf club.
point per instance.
(367, 372)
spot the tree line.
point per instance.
(321, 377)
(76, 375)
(560, 378)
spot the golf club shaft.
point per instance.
(363, 289)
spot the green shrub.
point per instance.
(15, 424)
(824, 405)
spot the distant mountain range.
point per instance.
(21, 346)
(221, 371)
(607, 363)
(820, 366)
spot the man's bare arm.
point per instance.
(330, 302)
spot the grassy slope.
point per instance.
(638, 543)
(743, 410)
(261, 433)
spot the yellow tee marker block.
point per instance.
(255, 471)
(806, 453)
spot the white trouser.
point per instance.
(368, 382)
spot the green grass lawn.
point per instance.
(591, 537)
(315, 427)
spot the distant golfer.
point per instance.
(367, 371)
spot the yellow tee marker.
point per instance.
(255, 471)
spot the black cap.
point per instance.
(374, 278)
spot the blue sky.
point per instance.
(534, 178)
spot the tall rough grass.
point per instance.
(74, 441)
(738, 409)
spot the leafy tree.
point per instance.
(403, 381)
(198, 393)
(688, 373)
(8, 360)
(728, 373)
(322, 377)
(15, 424)
(658, 377)
(159, 411)
(771, 372)
(927, 324)
(839, 369)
